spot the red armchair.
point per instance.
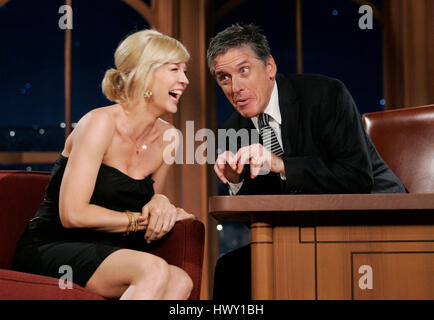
(21, 192)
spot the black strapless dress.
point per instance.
(46, 245)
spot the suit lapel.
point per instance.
(290, 111)
(246, 123)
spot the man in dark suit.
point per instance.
(311, 137)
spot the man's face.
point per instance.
(245, 80)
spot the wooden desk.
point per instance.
(358, 246)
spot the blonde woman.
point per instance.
(103, 204)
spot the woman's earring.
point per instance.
(147, 94)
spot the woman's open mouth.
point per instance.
(175, 95)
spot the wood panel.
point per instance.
(67, 77)
(262, 261)
(341, 208)
(393, 275)
(294, 265)
(375, 234)
(198, 105)
(408, 53)
(335, 266)
(307, 235)
(28, 157)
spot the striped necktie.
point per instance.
(269, 139)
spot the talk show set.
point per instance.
(230, 157)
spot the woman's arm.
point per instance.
(92, 137)
(162, 214)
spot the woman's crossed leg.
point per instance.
(130, 274)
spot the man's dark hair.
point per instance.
(237, 36)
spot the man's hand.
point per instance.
(161, 215)
(260, 159)
(226, 168)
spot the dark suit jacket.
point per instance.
(326, 149)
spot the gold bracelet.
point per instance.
(130, 222)
(134, 224)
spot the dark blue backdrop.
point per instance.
(32, 66)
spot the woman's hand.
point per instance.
(161, 216)
(181, 214)
(142, 221)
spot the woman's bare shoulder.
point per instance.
(102, 118)
(97, 124)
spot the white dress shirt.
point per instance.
(275, 121)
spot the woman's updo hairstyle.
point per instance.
(136, 59)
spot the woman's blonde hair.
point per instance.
(136, 59)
